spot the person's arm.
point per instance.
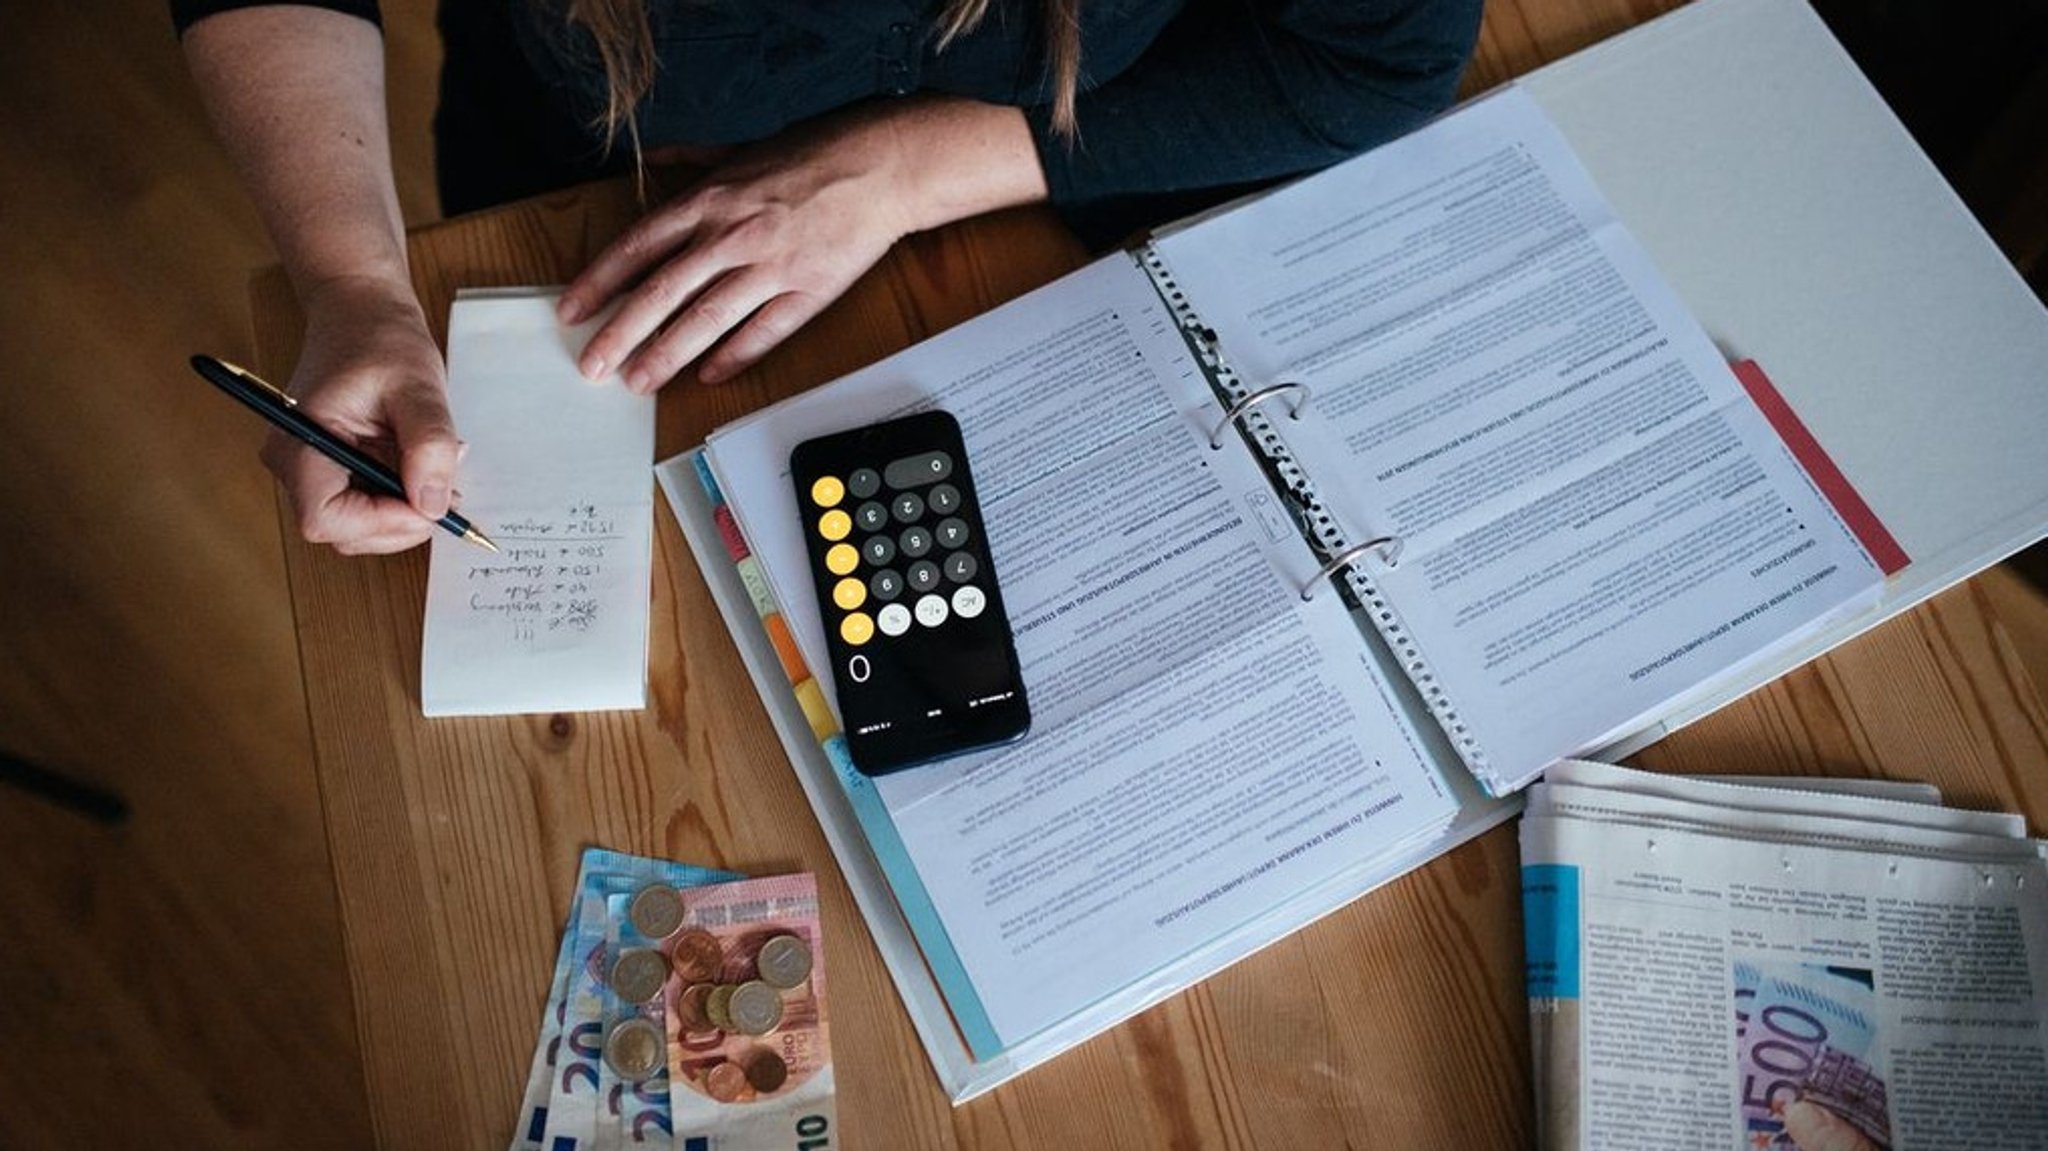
(297, 96)
(736, 264)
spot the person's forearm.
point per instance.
(297, 96)
(963, 158)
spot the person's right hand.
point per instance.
(371, 374)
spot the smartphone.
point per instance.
(922, 655)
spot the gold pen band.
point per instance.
(259, 381)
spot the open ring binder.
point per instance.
(1389, 548)
(1253, 400)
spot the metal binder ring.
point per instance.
(1253, 400)
(1390, 550)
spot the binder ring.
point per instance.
(1389, 549)
(1253, 400)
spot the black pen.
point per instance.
(270, 402)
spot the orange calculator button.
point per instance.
(842, 559)
(857, 628)
(835, 524)
(828, 491)
(849, 593)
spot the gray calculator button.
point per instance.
(864, 482)
(878, 550)
(960, 567)
(931, 611)
(871, 516)
(907, 507)
(924, 575)
(952, 532)
(945, 499)
(886, 584)
(916, 541)
(918, 470)
(894, 619)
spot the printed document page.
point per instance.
(1594, 517)
(557, 475)
(1204, 743)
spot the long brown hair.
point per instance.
(625, 43)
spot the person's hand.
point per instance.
(371, 374)
(1815, 1128)
(745, 256)
(733, 266)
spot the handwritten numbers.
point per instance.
(543, 584)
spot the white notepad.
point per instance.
(557, 475)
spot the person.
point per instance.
(831, 128)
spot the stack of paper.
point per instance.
(556, 475)
(1783, 964)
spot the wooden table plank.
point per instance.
(1396, 1022)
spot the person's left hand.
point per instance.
(746, 256)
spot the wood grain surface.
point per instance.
(1398, 1022)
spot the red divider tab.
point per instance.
(1863, 523)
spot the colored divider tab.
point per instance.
(1848, 503)
(1550, 930)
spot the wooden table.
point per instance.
(1398, 1022)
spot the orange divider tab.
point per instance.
(785, 649)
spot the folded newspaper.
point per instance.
(1782, 964)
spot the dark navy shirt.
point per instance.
(1178, 95)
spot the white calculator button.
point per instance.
(931, 611)
(893, 619)
(968, 601)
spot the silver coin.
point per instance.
(755, 1008)
(633, 1048)
(656, 910)
(638, 974)
(784, 962)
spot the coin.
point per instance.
(697, 955)
(638, 974)
(784, 962)
(715, 1007)
(692, 1012)
(633, 1048)
(725, 1082)
(766, 1070)
(656, 910)
(754, 1008)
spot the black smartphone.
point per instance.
(922, 654)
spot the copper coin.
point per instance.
(766, 1070)
(633, 1048)
(784, 962)
(638, 973)
(656, 910)
(726, 1082)
(754, 1008)
(692, 1009)
(697, 955)
(715, 1006)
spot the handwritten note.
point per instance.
(557, 474)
